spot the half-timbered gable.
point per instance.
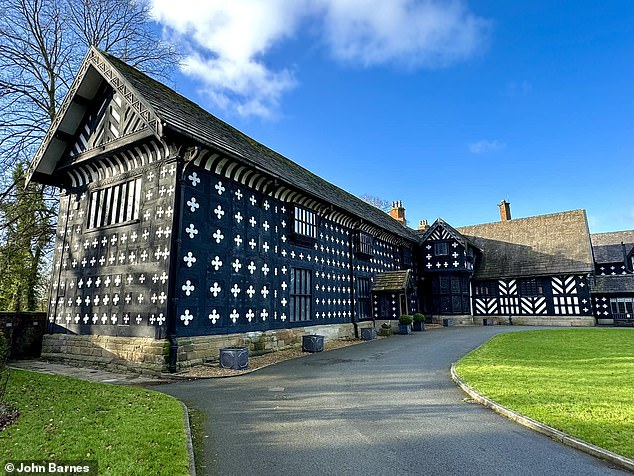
(532, 267)
(177, 227)
(613, 252)
(446, 261)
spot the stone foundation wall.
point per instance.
(136, 354)
(555, 321)
(150, 356)
(196, 350)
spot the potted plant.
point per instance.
(385, 329)
(419, 322)
(405, 324)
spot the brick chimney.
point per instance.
(505, 210)
(423, 225)
(398, 212)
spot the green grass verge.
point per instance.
(127, 430)
(580, 381)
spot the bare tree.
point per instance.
(42, 44)
(376, 202)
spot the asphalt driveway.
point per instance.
(386, 407)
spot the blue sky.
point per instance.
(449, 107)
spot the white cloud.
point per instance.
(485, 146)
(226, 42)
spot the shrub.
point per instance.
(405, 319)
(418, 317)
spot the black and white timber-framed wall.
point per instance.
(179, 235)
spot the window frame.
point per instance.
(301, 295)
(364, 245)
(115, 205)
(441, 248)
(364, 286)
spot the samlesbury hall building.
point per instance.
(179, 235)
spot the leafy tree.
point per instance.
(42, 44)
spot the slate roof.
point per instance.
(186, 118)
(607, 246)
(613, 284)
(542, 245)
(391, 280)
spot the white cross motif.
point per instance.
(186, 317)
(236, 265)
(150, 176)
(93, 260)
(96, 300)
(86, 318)
(191, 230)
(121, 258)
(264, 314)
(454, 254)
(283, 238)
(234, 316)
(428, 265)
(117, 280)
(124, 238)
(219, 212)
(128, 298)
(115, 299)
(454, 245)
(250, 315)
(97, 282)
(252, 244)
(251, 267)
(265, 269)
(194, 179)
(129, 279)
(284, 269)
(188, 287)
(193, 204)
(95, 242)
(162, 297)
(284, 302)
(253, 200)
(283, 317)
(163, 278)
(238, 194)
(126, 318)
(80, 283)
(266, 225)
(149, 195)
(253, 222)
(144, 255)
(266, 205)
(146, 215)
(105, 300)
(162, 190)
(215, 290)
(250, 291)
(428, 256)
(160, 211)
(214, 316)
(132, 257)
(84, 262)
(265, 292)
(456, 264)
(238, 216)
(219, 188)
(169, 212)
(216, 263)
(235, 290)
(145, 234)
(107, 281)
(284, 226)
(265, 247)
(284, 285)
(238, 240)
(163, 172)
(190, 259)
(218, 236)
(138, 319)
(134, 236)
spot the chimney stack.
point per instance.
(398, 212)
(505, 210)
(423, 225)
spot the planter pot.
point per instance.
(368, 333)
(404, 329)
(312, 343)
(418, 326)
(488, 322)
(447, 322)
(236, 358)
(385, 332)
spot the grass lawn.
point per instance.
(580, 381)
(127, 430)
